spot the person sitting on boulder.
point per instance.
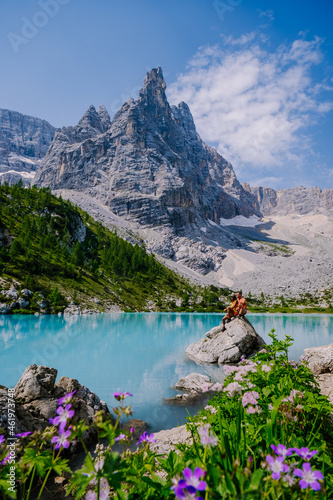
(241, 308)
(230, 310)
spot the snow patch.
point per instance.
(203, 229)
(26, 175)
(240, 220)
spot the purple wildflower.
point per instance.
(206, 436)
(5, 460)
(309, 477)
(277, 466)
(121, 437)
(179, 488)
(23, 434)
(2, 440)
(305, 453)
(266, 368)
(280, 449)
(145, 438)
(121, 395)
(63, 415)
(193, 479)
(188, 487)
(61, 440)
(67, 398)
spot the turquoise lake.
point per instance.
(141, 353)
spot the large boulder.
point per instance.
(192, 382)
(4, 308)
(319, 359)
(166, 441)
(320, 362)
(37, 382)
(36, 401)
(239, 339)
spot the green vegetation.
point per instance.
(265, 434)
(60, 253)
(305, 303)
(275, 248)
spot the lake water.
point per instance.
(143, 354)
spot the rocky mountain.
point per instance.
(24, 140)
(151, 168)
(148, 165)
(298, 200)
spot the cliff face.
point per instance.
(149, 165)
(24, 140)
(299, 200)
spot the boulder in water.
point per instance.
(239, 339)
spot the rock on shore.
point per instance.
(239, 339)
(36, 400)
(320, 362)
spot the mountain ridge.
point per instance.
(24, 141)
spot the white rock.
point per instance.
(239, 339)
(319, 359)
(192, 382)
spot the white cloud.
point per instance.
(268, 14)
(252, 104)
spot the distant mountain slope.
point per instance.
(24, 140)
(299, 200)
(149, 165)
(60, 250)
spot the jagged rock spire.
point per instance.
(104, 117)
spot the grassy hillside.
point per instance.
(59, 252)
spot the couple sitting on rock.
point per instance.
(236, 308)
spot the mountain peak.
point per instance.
(152, 95)
(104, 117)
(155, 78)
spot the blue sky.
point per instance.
(257, 75)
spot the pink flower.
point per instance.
(233, 388)
(250, 397)
(211, 409)
(206, 387)
(217, 387)
(2, 440)
(228, 370)
(206, 436)
(266, 368)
